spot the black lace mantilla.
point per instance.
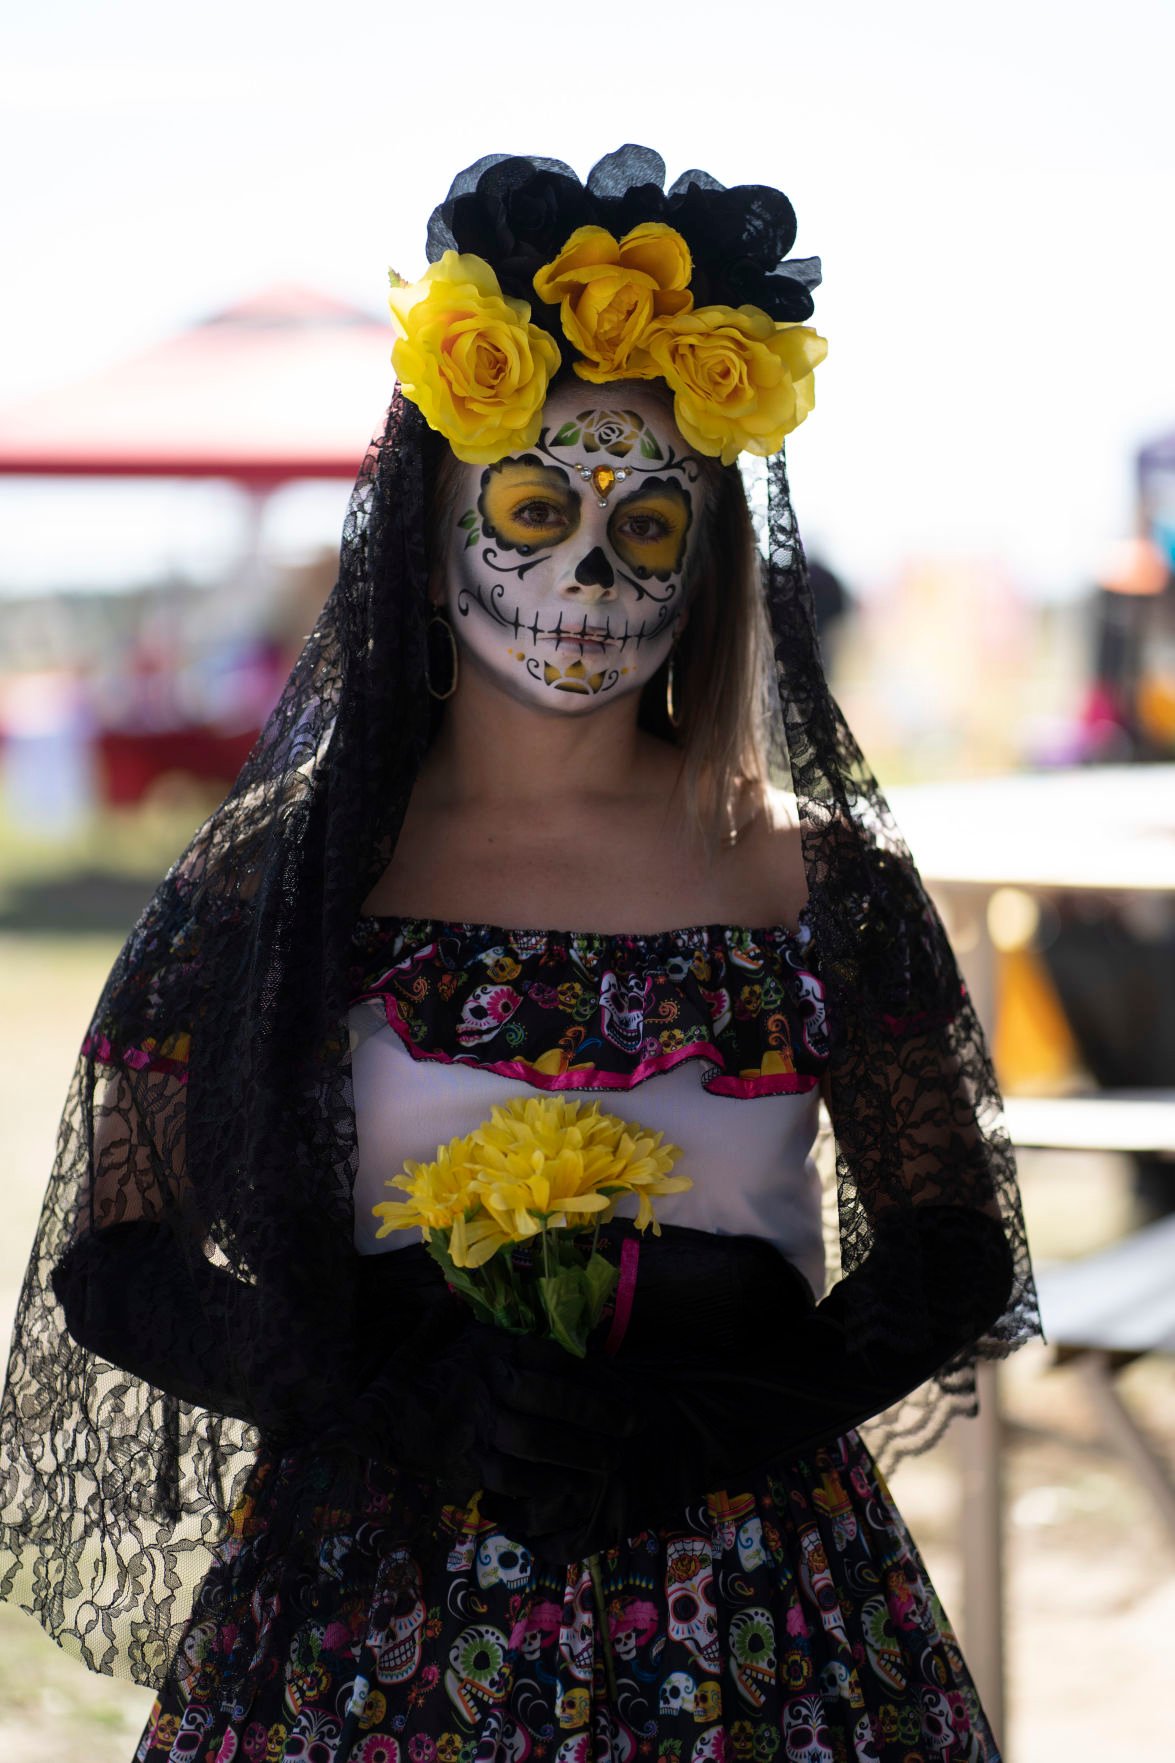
(201, 1192)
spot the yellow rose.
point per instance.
(740, 381)
(470, 360)
(611, 290)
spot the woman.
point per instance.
(262, 1459)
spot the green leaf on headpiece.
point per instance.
(567, 435)
(396, 280)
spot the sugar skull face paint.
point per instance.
(567, 562)
(649, 528)
(526, 506)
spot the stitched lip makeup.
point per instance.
(591, 639)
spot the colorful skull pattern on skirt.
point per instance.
(790, 1622)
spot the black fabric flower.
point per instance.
(517, 212)
(516, 215)
(739, 238)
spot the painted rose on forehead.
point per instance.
(609, 431)
(624, 435)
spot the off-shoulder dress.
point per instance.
(788, 1616)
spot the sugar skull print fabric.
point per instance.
(575, 1010)
(790, 1620)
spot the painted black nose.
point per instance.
(594, 570)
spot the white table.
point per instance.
(1101, 831)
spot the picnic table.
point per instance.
(1105, 831)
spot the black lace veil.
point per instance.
(207, 1150)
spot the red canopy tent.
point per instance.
(285, 385)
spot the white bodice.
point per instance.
(750, 1157)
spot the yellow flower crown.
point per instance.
(477, 369)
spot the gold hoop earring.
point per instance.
(439, 618)
(671, 710)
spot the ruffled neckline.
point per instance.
(596, 1010)
(691, 935)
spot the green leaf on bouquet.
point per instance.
(600, 1279)
(495, 1291)
(456, 1277)
(565, 1299)
(464, 1282)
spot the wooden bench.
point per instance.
(1103, 1310)
(1106, 1310)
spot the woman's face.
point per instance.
(566, 562)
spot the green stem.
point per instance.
(593, 1562)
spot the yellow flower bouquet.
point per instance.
(540, 1172)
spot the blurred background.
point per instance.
(194, 350)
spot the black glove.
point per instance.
(553, 1457)
(729, 1365)
(573, 1452)
(808, 1381)
(143, 1296)
(515, 1416)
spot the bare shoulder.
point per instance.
(770, 857)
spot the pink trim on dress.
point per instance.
(721, 1083)
(778, 1083)
(134, 1058)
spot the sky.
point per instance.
(990, 191)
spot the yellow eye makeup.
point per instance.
(648, 529)
(526, 505)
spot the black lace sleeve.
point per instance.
(193, 1269)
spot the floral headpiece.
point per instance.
(686, 285)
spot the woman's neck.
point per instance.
(493, 749)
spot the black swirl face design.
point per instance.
(526, 506)
(566, 563)
(650, 526)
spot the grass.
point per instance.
(54, 1711)
(51, 1709)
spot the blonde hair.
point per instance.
(723, 666)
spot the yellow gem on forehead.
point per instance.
(603, 479)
